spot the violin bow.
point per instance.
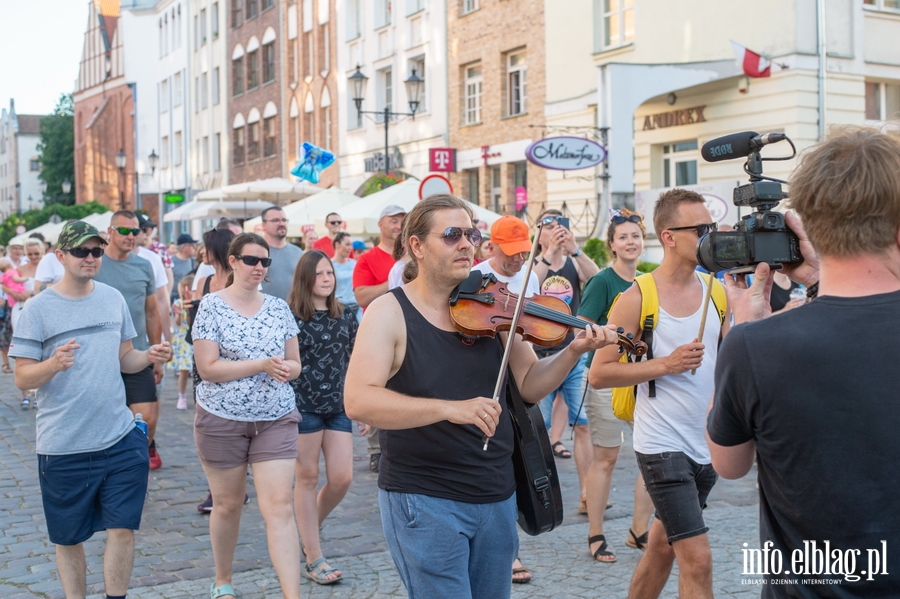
(514, 324)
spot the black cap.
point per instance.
(144, 221)
(185, 238)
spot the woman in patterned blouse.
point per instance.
(327, 332)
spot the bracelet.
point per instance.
(812, 291)
(544, 260)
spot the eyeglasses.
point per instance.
(84, 252)
(633, 218)
(335, 223)
(701, 230)
(254, 260)
(452, 235)
(126, 231)
(278, 221)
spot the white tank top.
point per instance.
(675, 420)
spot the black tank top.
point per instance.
(446, 460)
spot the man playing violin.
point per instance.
(669, 425)
(448, 507)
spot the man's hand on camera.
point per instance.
(807, 272)
(749, 303)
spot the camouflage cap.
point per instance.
(76, 233)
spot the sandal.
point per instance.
(521, 570)
(560, 451)
(637, 542)
(221, 591)
(320, 575)
(7, 369)
(602, 550)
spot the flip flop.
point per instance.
(560, 451)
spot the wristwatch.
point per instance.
(577, 253)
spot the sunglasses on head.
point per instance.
(452, 235)
(254, 260)
(701, 230)
(126, 231)
(82, 252)
(633, 218)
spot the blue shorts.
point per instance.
(87, 492)
(313, 423)
(573, 394)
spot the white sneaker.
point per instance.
(182, 403)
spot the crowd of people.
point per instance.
(285, 348)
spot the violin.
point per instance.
(482, 306)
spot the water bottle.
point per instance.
(799, 293)
(141, 424)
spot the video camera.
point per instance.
(763, 235)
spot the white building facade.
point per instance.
(20, 162)
(388, 40)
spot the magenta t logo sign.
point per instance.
(442, 160)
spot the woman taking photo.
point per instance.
(625, 237)
(245, 347)
(327, 332)
(343, 272)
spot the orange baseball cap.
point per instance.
(511, 234)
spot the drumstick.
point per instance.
(703, 313)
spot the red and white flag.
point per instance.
(753, 64)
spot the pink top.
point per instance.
(7, 280)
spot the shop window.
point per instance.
(882, 101)
(516, 83)
(615, 25)
(472, 96)
(680, 164)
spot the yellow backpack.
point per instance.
(624, 398)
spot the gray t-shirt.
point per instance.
(281, 273)
(81, 409)
(133, 278)
(180, 269)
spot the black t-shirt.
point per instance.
(562, 284)
(816, 389)
(780, 297)
(325, 346)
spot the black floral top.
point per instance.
(325, 346)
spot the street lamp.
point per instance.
(121, 159)
(414, 85)
(152, 160)
(66, 186)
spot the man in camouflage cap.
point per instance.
(71, 344)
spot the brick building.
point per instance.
(255, 90)
(497, 80)
(104, 114)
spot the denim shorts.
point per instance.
(84, 493)
(313, 423)
(572, 392)
(678, 487)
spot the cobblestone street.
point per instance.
(174, 560)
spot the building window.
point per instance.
(214, 21)
(354, 117)
(177, 149)
(496, 190)
(202, 26)
(467, 6)
(418, 64)
(196, 33)
(891, 5)
(204, 90)
(617, 22)
(267, 4)
(253, 142)
(252, 10)
(205, 157)
(882, 101)
(215, 86)
(35, 165)
(474, 193)
(308, 64)
(354, 19)
(269, 140)
(217, 153)
(382, 13)
(325, 54)
(516, 84)
(237, 146)
(269, 58)
(177, 90)
(237, 76)
(252, 70)
(385, 89)
(196, 95)
(414, 6)
(164, 96)
(680, 164)
(164, 153)
(327, 126)
(162, 39)
(237, 12)
(472, 107)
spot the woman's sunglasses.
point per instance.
(633, 218)
(701, 230)
(452, 235)
(84, 252)
(254, 260)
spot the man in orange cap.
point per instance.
(509, 248)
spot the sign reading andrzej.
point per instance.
(566, 153)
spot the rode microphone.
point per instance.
(737, 145)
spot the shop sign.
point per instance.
(521, 198)
(174, 198)
(376, 162)
(566, 153)
(686, 116)
(442, 160)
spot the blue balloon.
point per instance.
(314, 160)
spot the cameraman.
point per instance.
(818, 411)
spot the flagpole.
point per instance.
(820, 31)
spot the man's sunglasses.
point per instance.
(254, 260)
(701, 230)
(633, 218)
(336, 222)
(126, 231)
(452, 235)
(84, 252)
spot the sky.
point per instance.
(40, 48)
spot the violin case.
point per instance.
(538, 494)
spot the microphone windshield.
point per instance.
(736, 145)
